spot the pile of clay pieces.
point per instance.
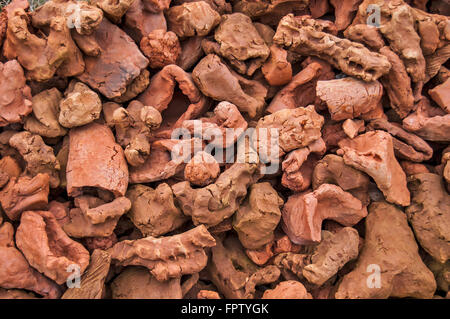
(100, 197)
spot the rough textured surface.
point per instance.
(202, 169)
(290, 289)
(161, 48)
(389, 243)
(440, 94)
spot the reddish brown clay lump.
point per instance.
(245, 149)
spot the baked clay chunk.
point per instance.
(333, 252)
(153, 211)
(397, 84)
(44, 121)
(42, 57)
(15, 102)
(167, 257)
(429, 214)
(47, 247)
(365, 34)
(216, 80)
(296, 128)
(239, 42)
(373, 153)
(192, 18)
(352, 58)
(277, 70)
(289, 289)
(298, 165)
(303, 213)
(161, 48)
(80, 106)
(258, 216)
(353, 127)
(318, 8)
(38, 156)
(207, 205)
(138, 283)
(139, 21)
(191, 52)
(110, 73)
(348, 98)
(135, 88)
(24, 193)
(301, 91)
(92, 283)
(406, 145)
(344, 12)
(3, 25)
(208, 294)
(91, 164)
(202, 169)
(411, 168)
(441, 95)
(161, 95)
(389, 245)
(428, 123)
(17, 273)
(332, 170)
(114, 10)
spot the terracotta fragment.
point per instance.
(440, 94)
(318, 8)
(353, 127)
(47, 248)
(101, 243)
(290, 289)
(207, 294)
(113, 10)
(168, 257)
(192, 18)
(257, 218)
(428, 214)
(161, 48)
(91, 164)
(373, 153)
(350, 57)
(17, 273)
(139, 84)
(216, 80)
(15, 103)
(38, 156)
(365, 34)
(262, 255)
(303, 213)
(139, 21)
(411, 168)
(191, 52)
(402, 272)
(344, 12)
(153, 211)
(202, 169)
(348, 98)
(277, 70)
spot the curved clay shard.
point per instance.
(303, 213)
(42, 57)
(257, 218)
(429, 214)
(332, 170)
(114, 10)
(80, 106)
(91, 164)
(344, 12)
(224, 127)
(110, 73)
(92, 217)
(351, 58)
(24, 193)
(397, 84)
(373, 153)
(289, 289)
(365, 34)
(44, 121)
(406, 145)
(331, 255)
(92, 283)
(153, 211)
(296, 128)
(161, 95)
(17, 273)
(15, 101)
(138, 283)
(161, 48)
(348, 98)
(391, 253)
(192, 18)
(239, 42)
(216, 80)
(301, 91)
(425, 123)
(202, 169)
(166, 257)
(138, 21)
(216, 202)
(38, 156)
(47, 247)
